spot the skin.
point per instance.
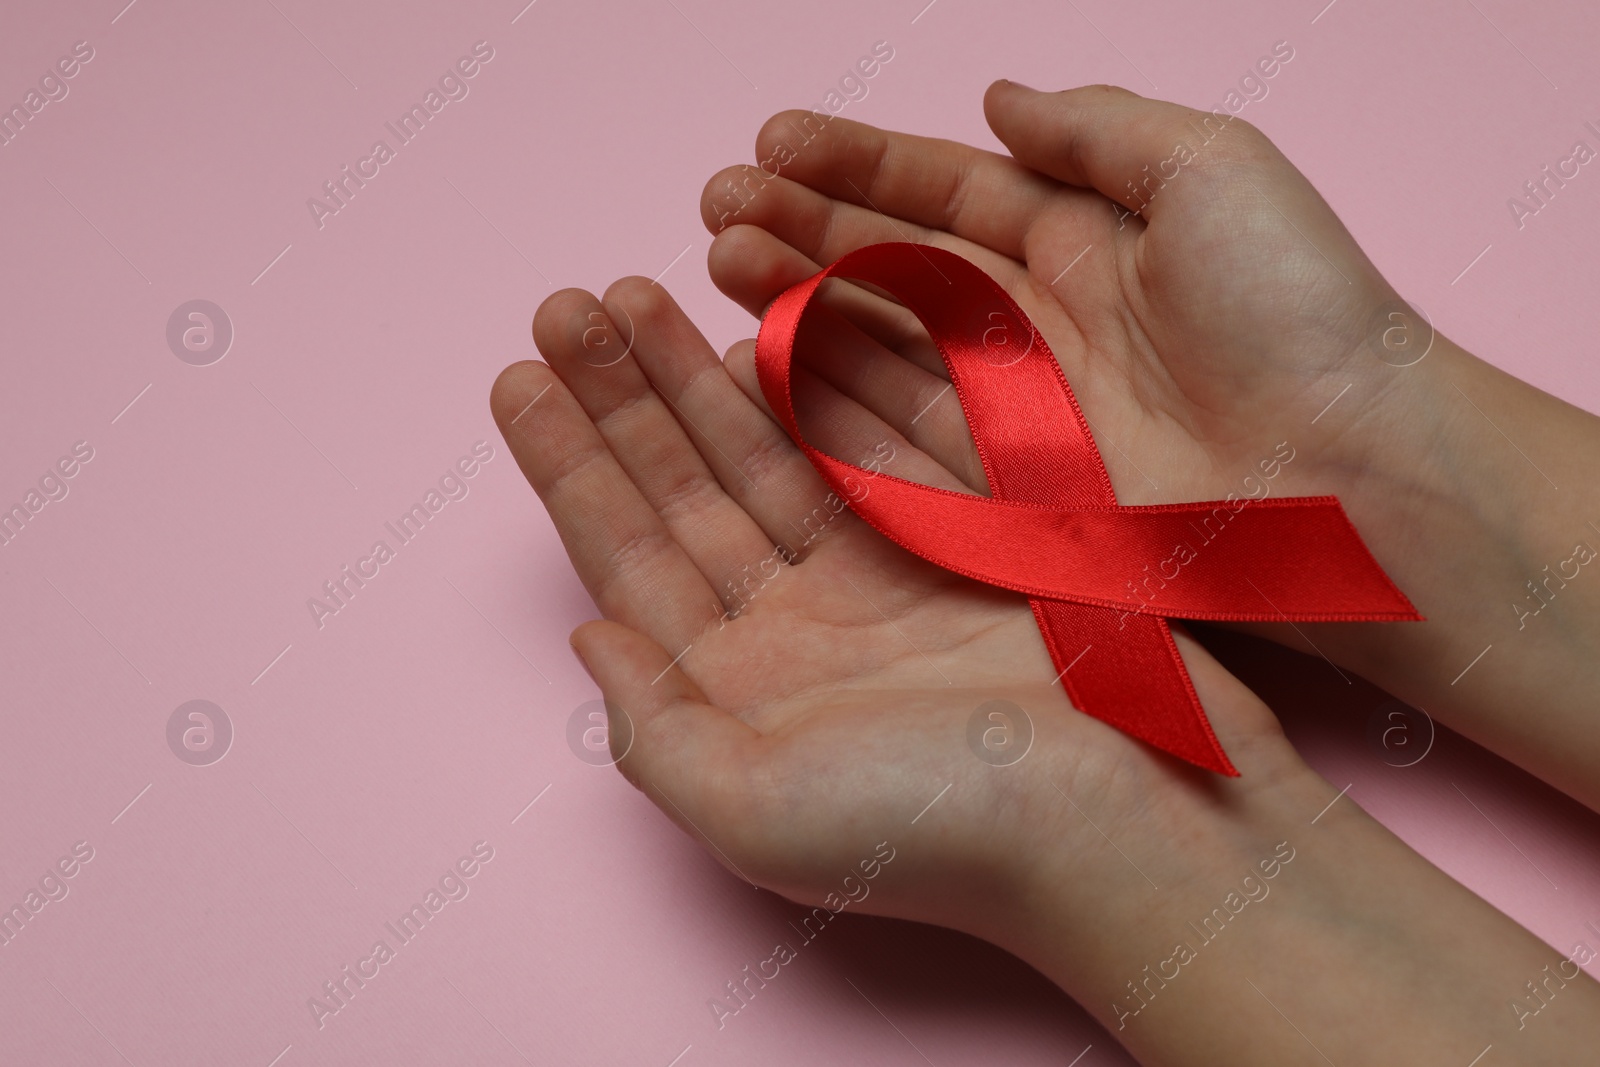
(794, 722)
(1198, 334)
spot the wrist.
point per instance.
(1293, 918)
(1474, 489)
(1161, 869)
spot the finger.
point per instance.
(1245, 727)
(935, 183)
(845, 429)
(740, 359)
(598, 363)
(870, 349)
(921, 407)
(821, 230)
(627, 559)
(752, 458)
(1106, 138)
(691, 758)
(981, 196)
(752, 267)
(805, 219)
(824, 229)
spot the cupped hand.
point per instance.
(1224, 334)
(1205, 303)
(798, 690)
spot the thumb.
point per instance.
(1105, 138)
(685, 754)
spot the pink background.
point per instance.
(371, 753)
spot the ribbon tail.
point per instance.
(1127, 673)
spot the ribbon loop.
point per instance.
(1102, 578)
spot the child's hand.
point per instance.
(1231, 337)
(818, 741)
(834, 705)
(1190, 334)
(806, 711)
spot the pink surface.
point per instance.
(370, 753)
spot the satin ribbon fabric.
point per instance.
(1102, 578)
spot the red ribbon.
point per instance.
(1099, 576)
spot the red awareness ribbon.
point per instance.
(1102, 578)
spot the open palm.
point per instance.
(797, 688)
